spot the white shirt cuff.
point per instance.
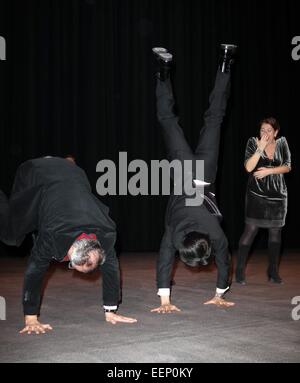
(165, 292)
(110, 307)
(221, 291)
(200, 182)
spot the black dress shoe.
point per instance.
(158, 50)
(227, 54)
(164, 59)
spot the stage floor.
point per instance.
(259, 328)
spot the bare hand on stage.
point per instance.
(166, 308)
(115, 318)
(218, 301)
(33, 325)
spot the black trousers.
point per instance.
(181, 218)
(207, 148)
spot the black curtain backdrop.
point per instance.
(79, 78)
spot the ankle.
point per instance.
(227, 54)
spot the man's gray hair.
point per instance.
(81, 249)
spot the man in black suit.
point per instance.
(193, 231)
(52, 197)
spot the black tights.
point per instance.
(245, 243)
(250, 232)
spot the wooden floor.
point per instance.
(263, 326)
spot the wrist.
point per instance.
(30, 318)
(165, 300)
(219, 295)
(259, 151)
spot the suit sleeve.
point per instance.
(222, 260)
(6, 229)
(111, 279)
(286, 154)
(165, 261)
(37, 266)
(250, 149)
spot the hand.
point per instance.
(219, 302)
(262, 172)
(33, 325)
(114, 318)
(263, 142)
(166, 308)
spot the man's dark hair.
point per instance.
(196, 249)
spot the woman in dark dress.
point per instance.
(266, 160)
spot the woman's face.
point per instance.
(268, 131)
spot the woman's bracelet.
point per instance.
(259, 151)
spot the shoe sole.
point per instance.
(158, 50)
(163, 54)
(229, 46)
(166, 57)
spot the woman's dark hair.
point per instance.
(271, 121)
(196, 249)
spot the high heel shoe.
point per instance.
(240, 276)
(275, 279)
(241, 264)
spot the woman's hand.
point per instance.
(262, 172)
(263, 142)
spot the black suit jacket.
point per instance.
(182, 219)
(53, 197)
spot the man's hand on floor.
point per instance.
(115, 318)
(166, 308)
(218, 301)
(33, 325)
